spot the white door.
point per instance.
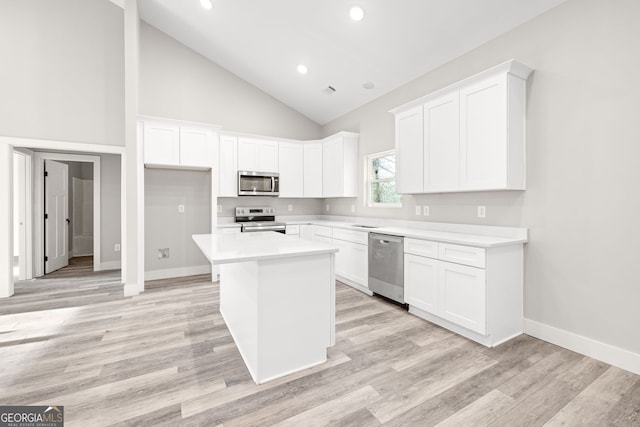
(333, 167)
(291, 173)
(359, 264)
(483, 135)
(421, 282)
(462, 295)
(20, 213)
(228, 166)
(312, 169)
(409, 151)
(196, 147)
(56, 210)
(441, 143)
(161, 143)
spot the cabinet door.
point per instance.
(483, 135)
(359, 264)
(161, 143)
(421, 282)
(342, 258)
(306, 231)
(409, 151)
(291, 169)
(227, 168)
(462, 295)
(312, 169)
(441, 143)
(268, 156)
(196, 147)
(332, 167)
(248, 152)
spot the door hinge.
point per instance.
(46, 259)
(46, 174)
(46, 216)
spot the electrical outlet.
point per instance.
(163, 253)
(327, 207)
(353, 208)
(219, 208)
(418, 210)
(116, 247)
(425, 210)
(180, 208)
(482, 211)
(290, 208)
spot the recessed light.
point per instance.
(206, 4)
(356, 13)
(302, 69)
(368, 85)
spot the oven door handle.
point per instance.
(263, 228)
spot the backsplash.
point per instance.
(298, 206)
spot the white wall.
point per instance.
(165, 227)
(178, 83)
(581, 204)
(62, 72)
(110, 201)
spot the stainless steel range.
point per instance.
(259, 219)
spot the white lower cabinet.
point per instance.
(342, 258)
(352, 260)
(478, 296)
(462, 295)
(421, 282)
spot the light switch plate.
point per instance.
(219, 208)
(353, 208)
(116, 247)
(482, 211)
(327, 207)
(289, 208)
(180, 208)
(418, 210)
(425, 210)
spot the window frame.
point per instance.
(369, 180)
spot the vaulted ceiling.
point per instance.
(263, 41)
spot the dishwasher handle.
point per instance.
(385, 238)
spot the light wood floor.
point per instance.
(166, 358)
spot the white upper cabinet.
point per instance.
(257, 155)
(409, 151)
(312, 169)
(161, 143)
(291, 164)
(340, 165)
(441, 143)
(178, 145)
(228, 170)
(471, 136)
(196, 146)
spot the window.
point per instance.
(381, 180)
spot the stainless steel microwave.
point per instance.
(258, 183)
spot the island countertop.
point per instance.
(241, 247)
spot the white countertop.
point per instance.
(241, 247)
(462, 234)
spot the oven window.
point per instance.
(255, 183)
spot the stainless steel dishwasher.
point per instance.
(386, 266)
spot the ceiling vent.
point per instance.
(329, 90)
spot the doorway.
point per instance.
(22, 248)
(66, 226)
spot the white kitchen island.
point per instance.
(277, 297)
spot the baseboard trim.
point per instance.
(110, 265)
(607, 353)
(177, 272)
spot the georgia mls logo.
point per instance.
(31, 416)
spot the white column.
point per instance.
(133, 186)
(6, 220)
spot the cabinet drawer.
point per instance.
(361, 237)
(322, 230)
(293, 229)
(466, 255)
(421, 247)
